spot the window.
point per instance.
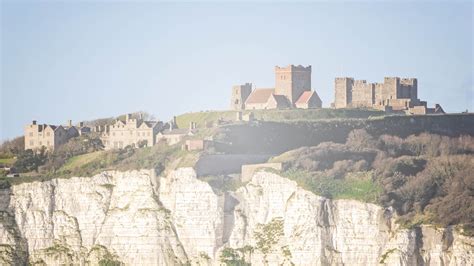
(48, 134)
(31, 134)
(40, 143)
(32, 143)
(47, 143)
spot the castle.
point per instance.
(394, 94)
(292, 90)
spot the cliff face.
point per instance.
(140, 219)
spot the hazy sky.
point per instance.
(88, 60)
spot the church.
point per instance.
(292, 90)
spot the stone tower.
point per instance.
(240, 93)
(292, 81)
(343, 89)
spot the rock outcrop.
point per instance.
(137, 218)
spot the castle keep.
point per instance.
(292, 90)
(394, 94)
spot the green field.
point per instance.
(81, 160)
(357, 186)
(7, 161)
(201, 118)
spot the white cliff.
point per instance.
(138, 218)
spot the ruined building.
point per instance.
(292, 90)
(51, 136)
(394, 94)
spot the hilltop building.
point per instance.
(132, 131)
(394, 94)
(292, 90)
(51, 136)
(173, 135)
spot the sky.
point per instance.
(84, 60)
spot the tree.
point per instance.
(30, 161)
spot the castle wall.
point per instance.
(394, 93)
(342, 88)
(362, 94)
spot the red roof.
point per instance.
(306, 96)
(259, 96)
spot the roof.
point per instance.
(281, 100)
(306, 96)
(259, 96)
(149, 124)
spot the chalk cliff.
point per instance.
(138, 218)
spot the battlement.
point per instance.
(344, 78)
(409, 81)
(293, 68)
(360, 82)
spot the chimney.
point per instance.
(129, 116)
(34, 122)
(69, 123)
(174, 121)
(81, 124)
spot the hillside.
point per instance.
(426, 178)
(274, 115)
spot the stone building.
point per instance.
(291, 83)
(394, 94)
(131, 132)
(239, 94)
(173, 135)
(49, 136)
(308, 99)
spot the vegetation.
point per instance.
(223, 183)
(386, 254)
(358, 186)
(208, 118)
(30, 161)
(268, 235)
(11, 148)
(426, 178)
(76, 161)
(233, 257)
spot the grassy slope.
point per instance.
(358, 186)
(201, 118)
(7, 161)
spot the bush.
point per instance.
(30, 161)
(426, 178)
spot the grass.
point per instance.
(81, 160)
(201, 118)
(161, 158)
(357, 186)
(7, 161)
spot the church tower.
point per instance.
(240, 93)
(292, 81)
